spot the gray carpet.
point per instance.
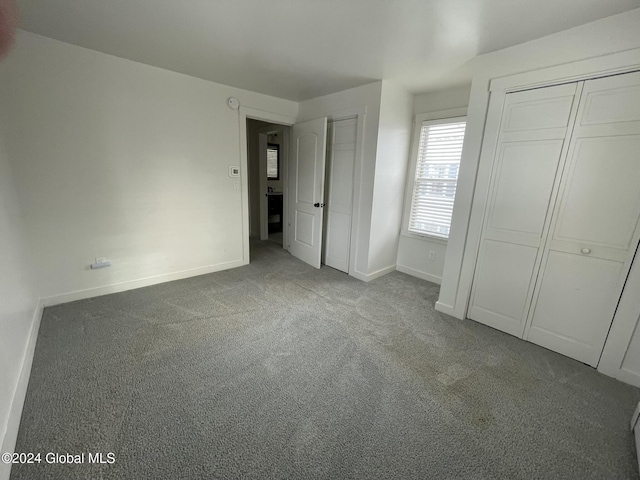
(277, 370)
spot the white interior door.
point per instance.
(339, 199)
(530, 147)
(594, 230)
(307, 168)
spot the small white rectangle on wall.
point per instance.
(102, 264)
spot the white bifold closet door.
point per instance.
(561, 223)
(530, 146)
(594, 233)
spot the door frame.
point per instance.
(243, 114)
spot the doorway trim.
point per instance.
(265, 116)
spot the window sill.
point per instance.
(425, 237)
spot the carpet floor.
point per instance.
(278, 370)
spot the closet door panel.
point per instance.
(341, 187)
(339, 195)
(611, 100)
(540, 109)
(601, 202)
(337, 249)
(503, 276)
(526, 171)
(531, 145)
(594, 230)
(573, 300)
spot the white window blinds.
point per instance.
(434, 188)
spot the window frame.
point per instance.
(431, 118)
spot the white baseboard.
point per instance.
(15, 411)
(367, 277)
(358, 275)
(143, 282)
(448, 309)
(419, 274)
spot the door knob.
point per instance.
(586, 251)
(318, 205)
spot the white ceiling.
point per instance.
(300, 49)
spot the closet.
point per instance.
(560, 226)
(341, 158)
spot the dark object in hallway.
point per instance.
(275, 211)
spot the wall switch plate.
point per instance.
(432, 255)
(234, 171)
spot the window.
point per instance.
(273, 161)
(437, 160)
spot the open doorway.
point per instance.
(267, 158)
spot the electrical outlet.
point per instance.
(101, 262)
(432, 255)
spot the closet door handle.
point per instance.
(586, 251)
(318, 205)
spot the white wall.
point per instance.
(394, 134)
(441, 100)
(413, 251)
(123, 160)
(333, 106)
(19, 311)
(606, 36)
